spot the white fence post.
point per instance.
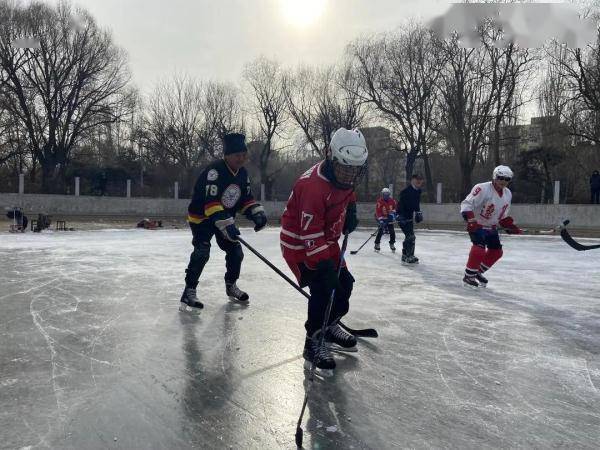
(262, 192)
(21, 183)
(176, 190)
(128, 188)
(76, 186)
(438, 199)
(556, 192)
(391, 188)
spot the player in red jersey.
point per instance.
(321, 207)
(385, 211)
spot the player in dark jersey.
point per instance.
(222, 190)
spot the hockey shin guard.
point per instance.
(491, 256)
(476, 256)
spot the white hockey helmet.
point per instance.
(347, 159)
(386, 192)
(502, 171)
(348, 147)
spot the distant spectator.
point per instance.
(595, 187)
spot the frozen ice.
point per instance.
(93, 347)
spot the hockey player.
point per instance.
(385, 211)
(409, 209)
(486, 207)
(222, 189)
(321, 207)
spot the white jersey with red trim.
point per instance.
(313, 219)
(488, 205)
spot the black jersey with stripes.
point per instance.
(220, 193)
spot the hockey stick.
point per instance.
(365, 333)
(299, 432)
(354, 252)
(564, 234)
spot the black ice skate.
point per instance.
(189, 302)
(340, 341)
(482, 280)
(377, 247)
(324, 363)
(410, 259)
(470, 282)
(235, 293)
(392, 247)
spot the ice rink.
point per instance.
(94, 353)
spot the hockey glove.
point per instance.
(351, 221)
(508, 224)
(418, 217)
(474, 227)
(327, 275)
(228, 229)
(258, 216)
(391, 217)
(382, 223)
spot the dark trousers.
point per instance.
(319, 297)
(408, 244)
(486, 238)
(391, 231)
(595, 196)
(202, 234)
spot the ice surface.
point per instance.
(95, 354)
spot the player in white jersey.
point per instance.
(486, 207)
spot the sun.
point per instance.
(302, 13)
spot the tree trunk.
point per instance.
(428, 177)
(411, 157)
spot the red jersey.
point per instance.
(383, 208)
(313, 220)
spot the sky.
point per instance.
(213, 39)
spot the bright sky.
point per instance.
(213, 39)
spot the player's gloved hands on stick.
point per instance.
(508, 224)
(351, 221)
(258, 216)
(418, 217)
(382, 222)
(228, 229)
(327, 274)
(391, 217)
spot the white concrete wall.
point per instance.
(581, 216)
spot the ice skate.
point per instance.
(392, 247)
(470, 282)
(377, 247)
(189, 302)
(235, 294)
(324, 363)
(410, 259)
(482, 280)
(340, 341)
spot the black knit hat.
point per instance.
(234, 143)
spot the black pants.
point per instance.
(486, 238)
(202, 234)
(319, 298)
(595, 196)
(391, 231)
(408, 244)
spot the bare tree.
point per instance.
(398, 73)
(322, 100)
(268, 103)
(186, 121)
(73, 82)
